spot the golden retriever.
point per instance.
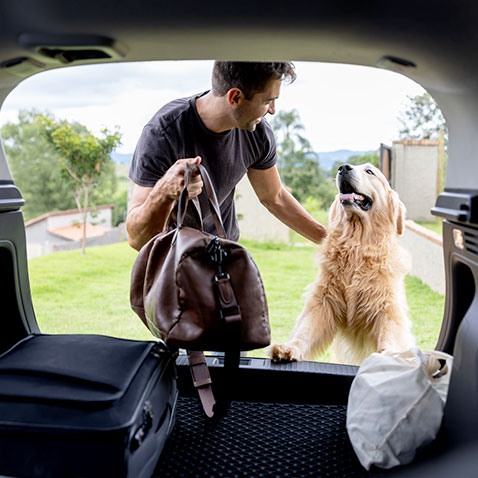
(358, 301)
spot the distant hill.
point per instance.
(121, 158)
(327, 159)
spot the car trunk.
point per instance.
(284, 420)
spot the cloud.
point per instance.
(341, 106)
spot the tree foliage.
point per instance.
(421, 118)
(297, 162)
(372, 158)
(35, 167)
(83, 158)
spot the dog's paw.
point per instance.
(284, 353)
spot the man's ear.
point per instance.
(234, 97)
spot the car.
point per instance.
(288, 419)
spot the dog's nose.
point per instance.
(345, 168)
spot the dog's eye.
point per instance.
(369, 171)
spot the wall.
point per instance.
(255, 221)
(103, 217)
(416, 176)
(41, 242)
(37, 233)
(116, 234)
(426, 248)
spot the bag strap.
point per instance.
(212, 198)
(177, 216)
(230, 313)
(203, 383)
(210, 193)
(229, 309)
(202, 380)
(183, 203)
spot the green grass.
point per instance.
(90, 294)
(435, 226)
(86, 294)
(425, 311)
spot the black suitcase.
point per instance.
(85, 406)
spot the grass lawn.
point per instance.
(435, 226)
(86, 294)
(90, 294)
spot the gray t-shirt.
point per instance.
(176, 131)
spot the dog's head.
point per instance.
(364, 193)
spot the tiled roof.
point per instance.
(65, 213)
(74, 233)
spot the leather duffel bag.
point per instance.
(200, 291)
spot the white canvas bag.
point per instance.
(396, 405)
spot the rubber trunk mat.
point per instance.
(257, 439)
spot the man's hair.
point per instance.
(249, 77)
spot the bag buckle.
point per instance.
(216, 251)
(230, 314)
(199, 370)
(221, 275)
(229, 310)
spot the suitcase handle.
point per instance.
(144, 428)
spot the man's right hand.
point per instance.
(150, 206)
(172, 183)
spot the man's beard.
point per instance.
(243, 122)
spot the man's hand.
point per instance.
(270, 191)
(172, 183)
(150, 206)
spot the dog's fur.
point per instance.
(358, 300)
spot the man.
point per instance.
(225, 130)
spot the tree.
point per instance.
(421, 119)
(298, 164)
(84, 157)
(35, 167)
(371, 158)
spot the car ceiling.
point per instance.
(439, 37)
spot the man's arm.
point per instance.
(273, 195)
(150, 206)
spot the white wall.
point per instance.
(415, 172)
(41, 242)
(255, 221)
(426, 249)
(102, 217)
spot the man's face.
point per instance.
(250, 112)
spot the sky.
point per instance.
(340, 106)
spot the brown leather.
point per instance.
(200, 292)
(174, 289)
(202, 381)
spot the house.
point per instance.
(414, 169)
(255, 221)
(62, 230)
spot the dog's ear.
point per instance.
(335, 212)
(401, 211)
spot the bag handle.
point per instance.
(173, 216)
(434, 363)
(183, 203)
(211, 195)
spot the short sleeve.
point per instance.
(269, 156)
(151, 159)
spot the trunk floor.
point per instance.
(260, 439)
